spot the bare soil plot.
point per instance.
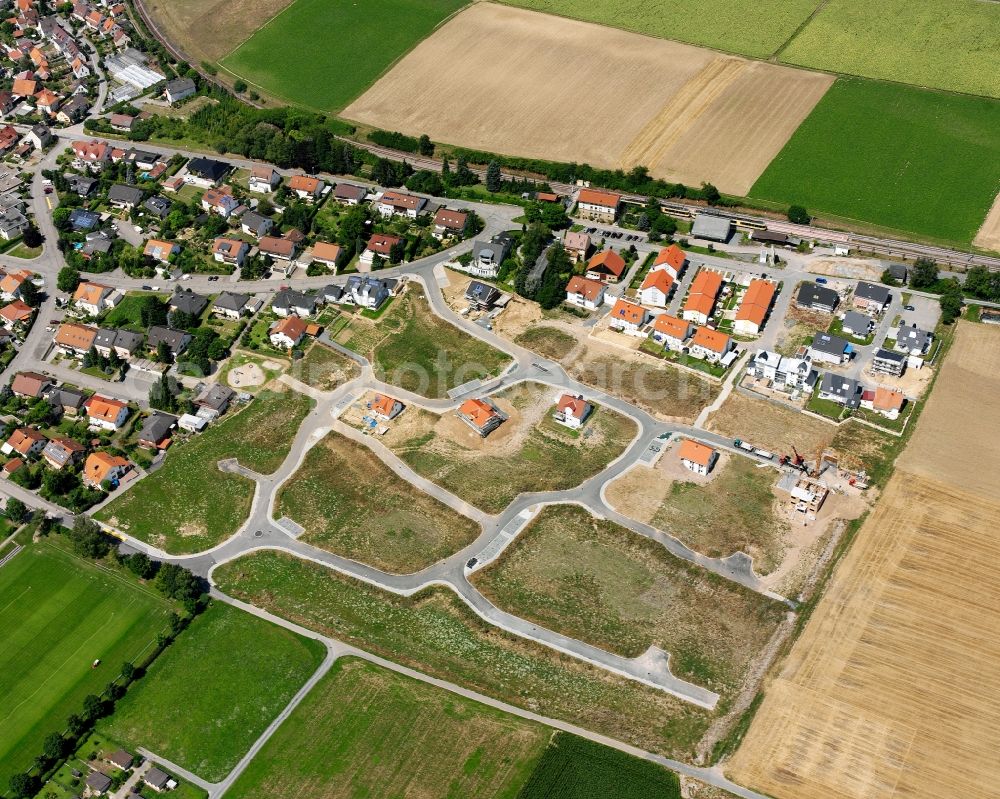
(988, 237)
(601, 583)
(770, 426)
(528, 452)
(548, 341)
(522, 90)
(892, 689)
(208, 29)
(351, 503)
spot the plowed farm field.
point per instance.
(548, 87)
(893, 689)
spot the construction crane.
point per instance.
(799, 462)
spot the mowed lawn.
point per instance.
(412, 347)
(438, 634)
(947, 44)
(59, 615)
(321, 54)
(364, 731)
(214, 691)
(738, 26)
(188, 505)
(911, 160)
(600, 583)
(352, 504)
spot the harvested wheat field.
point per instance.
(525, 88)
(988, 237)
(893, 688)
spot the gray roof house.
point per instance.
(158, 206)
(187, 301)
(912, 340)
(81, 184)
(897, 272)
(120, 759)
(488, 255)
(349, 194)
(830, 349)
(845, 390)
(12, 223)
(68, 399)
(98, 782)
(711, 227)
(230, 304)
(888, 362)
(96, 243)
(332, 293)
(857, 324)
(369, 292)
(155, 429)
(176, 340)
(256, 224)
(122, 196)
(482, 295)
(178, 89)
(216, 397)
(289, 301)
(124, 342)
(871, 296)
(817, 298)
(156, 779)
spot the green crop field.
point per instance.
(60, 614)
(739, 26)
(910, 160)
(321, 54)
(364, 731)
(575, 768)
(213, 692)
(947, 44)
(436, 633)
(189, 505)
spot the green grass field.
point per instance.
(212, 693)
(906, 159)
(548, 341)
(412, 347)
(436, 633)
(575, 768)
(60, 614)
(127, 313)
(754, 29)
(189, 505)
(324, 368)
(364, 731)
(947, 44)
(321, 54)
(598, 582)
(332, 493)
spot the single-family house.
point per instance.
(754, 307)
(628, 317)
(205, 172)
(599, 206)
(449, 224)
(572, 410)
(61, 452)
(710, 345)
(385, 407)
(796, 374)
(278, 249)
(219, 200)
(11, 282)
(607, 266)
(288, 332)
(857, 324)
(327, 254)
(888, 362)
(842, 390)
(24, 441)
(913, 341)
(14, 314)
(120, 759)
(105, 412)
(74, 109)
(480, 415)
(306, 187)
(30, 384)
(671, 332)
(585, 293)
(124, 343)
(577, 245)
(871, 297)
(81, 184)
(655, 289)
(157, 780)
(175, 340)
(697, 457)
(97, 782)
(214, 398)
(827, 348)
(814, 297)
(349, 194)
(263, 179)
(369, 292)
(179, 88)
(887, 401)
(256, 225)
(102, 467)
(12, 223)
(380, 244)
(288, 302)
(93, 298)
(481, 296)
(487, 256)
(160, 250)
(392, 203)
(158, 206)
(188, 302)
(74, 339)
(230, 251)
(39, 136)
(231, 305)
(156, 430)
(122, 122)
(672, 259)
(333, 294)
(92, 153)
(701, 297)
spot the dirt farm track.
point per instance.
(893, 689)
(521, 83)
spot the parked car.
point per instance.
(909, 308)
(821, 280)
